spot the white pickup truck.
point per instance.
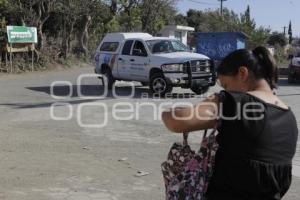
(162, 63)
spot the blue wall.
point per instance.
(219, 45)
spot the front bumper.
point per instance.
(191, 80)
(192, 77)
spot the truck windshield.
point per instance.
(166, 46)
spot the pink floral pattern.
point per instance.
(186, 173)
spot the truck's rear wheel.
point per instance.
(200, 90)
(160, 85)
(110, 79)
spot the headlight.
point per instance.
(173, 68)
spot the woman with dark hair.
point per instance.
(257, 133)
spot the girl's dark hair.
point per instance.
(259, 61)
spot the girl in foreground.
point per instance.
(257, 132)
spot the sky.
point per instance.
(274, 14)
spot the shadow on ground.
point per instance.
(98, 91)
(43, 105)
(90, 93)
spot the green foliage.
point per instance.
(130, 20)
(3, 3)
(2, 33)
(113, 26)
(180, 20)
(212, 21)
(155, 14)
(75, 27)
(280, 56)
(290, 32)
(277, 39)
(258, 37)
(248, 24)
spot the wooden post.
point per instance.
(6, 61)
(11, 62)
(32, 57)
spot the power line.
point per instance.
(202, 2)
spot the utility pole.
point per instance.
(284, 30)
(222, 6)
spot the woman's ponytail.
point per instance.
(266, 66)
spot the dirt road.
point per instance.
(46, 158)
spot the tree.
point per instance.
(277, 39)
(156, 13)
(130, 16)
(290, 32)
(258, 37)
(248, 24)
(42, 10)
(68, 15)
(31, 13)
(212, 21)
(76, 21)
(3, 4)
(77, 26)
(180, 20)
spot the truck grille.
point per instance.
(200, 66)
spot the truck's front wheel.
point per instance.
(200, 90)
(160, 85)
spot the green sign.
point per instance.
(21, 34)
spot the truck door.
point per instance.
(139, 62)
(124, 60)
